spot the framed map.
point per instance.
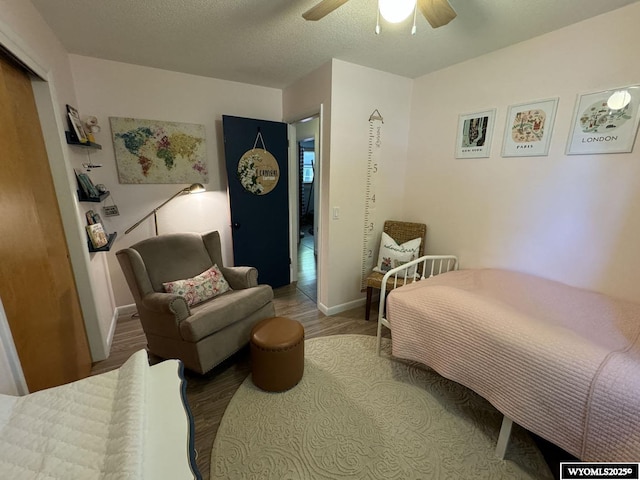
(152, 151)
(528, 128)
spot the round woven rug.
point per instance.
(356, 415)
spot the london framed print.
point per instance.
(605, 122)
(528, 128)
(475, 131)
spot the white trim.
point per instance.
(320, 229)
(293, 201)
(340, 308)
(294, 227)
(126, 310)
(12, 42)
(6, 341)
(111, 332)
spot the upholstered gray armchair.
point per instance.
(201, 335)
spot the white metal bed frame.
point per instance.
(433, 265)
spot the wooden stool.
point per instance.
(277, 353)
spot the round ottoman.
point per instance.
(277, 353)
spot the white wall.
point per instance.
(25, 34)
(306, 97)
(355, 93)
(112, 89)
(569, 218)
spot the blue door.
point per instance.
(256, 153)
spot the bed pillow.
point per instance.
(393, 255)
(208, 284)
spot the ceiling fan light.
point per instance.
(395, 11)
(619, 99)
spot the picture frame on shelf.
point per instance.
(97, 236)
(528, 128)
(475, 131)
(605, 122)
(76, 124)
(73, 111)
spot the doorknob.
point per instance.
(236, 226)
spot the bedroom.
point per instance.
(568, 218)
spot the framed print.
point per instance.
(72, 111)
(605, 122)
(475, 131)
(75, 124)
(528, 128)
(78, 128)
(155, 151)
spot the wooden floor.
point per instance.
(307, 272)
(210, 394)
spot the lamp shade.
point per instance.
(195, 188)
(395, 11)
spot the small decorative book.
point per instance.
(97, 235)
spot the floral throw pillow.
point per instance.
(393, 255)
(202, 287)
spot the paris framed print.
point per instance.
(605, 122)
(475, 131)
(528, 128)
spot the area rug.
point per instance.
(358, 415)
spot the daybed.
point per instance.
(560, 361)
(130, 423)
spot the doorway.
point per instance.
(307, 142)
(49, 334)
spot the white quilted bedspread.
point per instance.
(79, 430)
(560, 361)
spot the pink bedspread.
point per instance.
(560, 361)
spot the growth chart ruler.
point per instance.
(374, 157)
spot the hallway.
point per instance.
(307, 275)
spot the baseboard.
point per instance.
(126, 310)
(112, 329)
(328, 311)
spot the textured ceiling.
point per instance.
(267, 42)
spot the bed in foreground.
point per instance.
(133, 422)
(560, 361)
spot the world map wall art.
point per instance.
(152, 151)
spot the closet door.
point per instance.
(37, 286)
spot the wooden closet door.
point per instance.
(37, 286)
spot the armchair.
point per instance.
(201, 335)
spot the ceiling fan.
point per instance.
(437, 12)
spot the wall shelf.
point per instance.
(73, 140)
(107, 247)
(83, 198)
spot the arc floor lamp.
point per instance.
(193, 188)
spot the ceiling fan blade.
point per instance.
(437, 12)
(325, 7)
